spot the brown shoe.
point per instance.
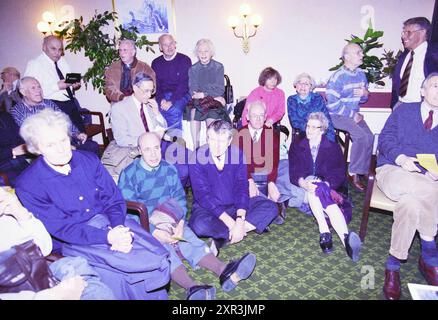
(356, 183)
(429, 273)
(392, 286)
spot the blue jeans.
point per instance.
(69, 267)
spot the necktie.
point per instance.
(405, 79)
(143, 118)
(61, 77)
(429, 120)
(254, 136)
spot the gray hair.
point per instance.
(142, 77)
(129, 41)
(221, 126)
(425, 81)
(164, 35)
(22, 81)
(320, 116)
(209, 44)
(305, 75)
(422, 22)
(33, 125)
(256, 102)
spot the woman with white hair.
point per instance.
(304, 102)
(316, 164)
(84, 212)
(206, 86)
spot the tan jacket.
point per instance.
(113, 76)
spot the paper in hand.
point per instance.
(428, 162)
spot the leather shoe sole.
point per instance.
(243, 269)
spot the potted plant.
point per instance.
(99, 47)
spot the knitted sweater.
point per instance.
(340, 98)
(404, 133)
(298, 110)
(152, 188)
(274, 100)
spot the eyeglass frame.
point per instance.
(409, 32)
(146, 91)
(313, 127)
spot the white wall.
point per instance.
(295, 36)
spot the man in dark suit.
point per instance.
(419, 59)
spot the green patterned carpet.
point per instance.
(291, 266)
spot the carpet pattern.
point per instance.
(291, 265)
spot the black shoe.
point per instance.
(325, 242)
(353, 245)
(242, 267)
(202, 292)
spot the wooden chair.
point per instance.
(97, 128)
(343, 142)
(141, 210)
(5, 179)
(374, 197)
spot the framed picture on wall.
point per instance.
(151, 17)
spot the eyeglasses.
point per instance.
(303, 84)
(313, 127)
(409, 32)
(257, 116)
(146, 91)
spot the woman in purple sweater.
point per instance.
(316, 164)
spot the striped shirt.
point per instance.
(340, 88)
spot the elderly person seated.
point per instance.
(261, 146)
(222, 208)
(33, 102)
(12, 149)
(316, 165)
(411, 130)
(270, 94)
(139, 113)
(304, 102)
(85, 213)
(206, 87)
(155, 183)
(18, 227)
(9, 94)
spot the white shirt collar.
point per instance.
(63, 170)
(422, 48)
(252, 130)
(173, 57)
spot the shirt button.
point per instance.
(97, 189)
(81, 198)
(87, 210)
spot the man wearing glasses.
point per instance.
(419, 59)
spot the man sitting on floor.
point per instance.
(222, 208)
(155, 183)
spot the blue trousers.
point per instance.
(260, 213)
(69, 267)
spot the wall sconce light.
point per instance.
(46, 25)
(255, 21)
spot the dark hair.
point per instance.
(140, 77)
(269, 73)
(220, 126)
(423, 22)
